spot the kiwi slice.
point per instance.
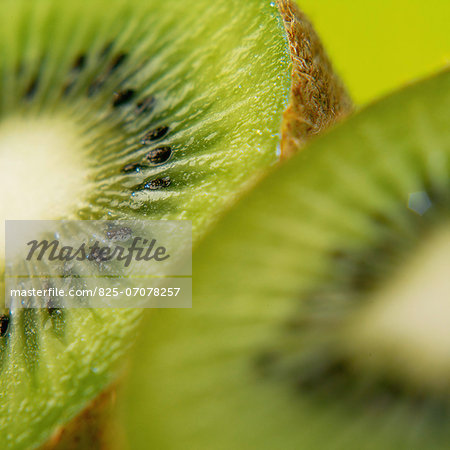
(129, 110)
(321, 301)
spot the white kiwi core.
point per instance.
(43, 174)
(407, 326)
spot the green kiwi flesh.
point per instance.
(122, 110)
(321, 301)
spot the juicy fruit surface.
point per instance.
(157, 89)
(172, 105)
(279, 348)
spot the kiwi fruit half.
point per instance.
(321, 301)
(128, 110)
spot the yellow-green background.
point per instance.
(378, 45)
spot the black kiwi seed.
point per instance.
(32, 88)
(79, 63)
(4, 325)
(52, 309)
(98, 83)
(145, 106)
(68, 87)
(133, 167)
(55, 312)
(155, 134)
(77, 66)
(106, 50)
(317, 376)
(119, 233)
(117, 62)
(154, 184)
(97, 256)
(158, 155)
(122, 97)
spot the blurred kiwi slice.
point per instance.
(129, 110)
(321, 301)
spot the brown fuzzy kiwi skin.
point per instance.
(97, 427)
(318, 97)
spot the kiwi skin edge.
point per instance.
(96, 427)
(318, 99)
